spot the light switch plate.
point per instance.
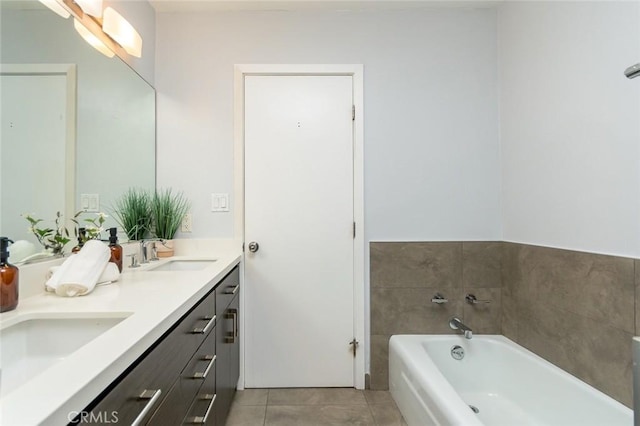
(90, 202)
(220, 202)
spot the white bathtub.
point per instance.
(508, 384)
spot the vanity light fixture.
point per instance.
(90, 38)
(91, 7)
(57, 7)
(119, 29)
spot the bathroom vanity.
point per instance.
(189, 375)
(162, 347)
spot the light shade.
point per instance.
(90, 7)
(57, 7)
(90, 38)
(122, 31)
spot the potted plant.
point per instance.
(132, 211)
(168, 210)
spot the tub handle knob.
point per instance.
(473, 300)
(439, 299)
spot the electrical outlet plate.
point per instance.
(186, 224)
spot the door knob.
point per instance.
(253, 246)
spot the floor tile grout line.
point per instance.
(351, 404)
(264, 419)
(375, 422)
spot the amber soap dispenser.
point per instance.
(116, 249)
(8, 278)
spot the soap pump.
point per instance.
(116, 249)
(82, 237)
(8, 278)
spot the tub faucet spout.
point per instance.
(456, 324)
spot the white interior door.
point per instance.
(33, 149)
(299, 284)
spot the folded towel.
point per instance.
(110, 274)
(79, 274)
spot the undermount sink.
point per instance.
(182, 265)
(31, 346)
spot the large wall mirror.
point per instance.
(78, 127)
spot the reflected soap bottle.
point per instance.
(82, 237)
(9, 275)
(116, 249)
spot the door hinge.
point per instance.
(354, 346)
(243, 247)
(353, 113)
(354, 230)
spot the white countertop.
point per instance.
(153, 301)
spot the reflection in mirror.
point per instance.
(78, 123)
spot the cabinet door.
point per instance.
(234, 348)
(228, 351)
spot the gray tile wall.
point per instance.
(405, 276)
(576, 309)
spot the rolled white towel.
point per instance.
(110, 274)
(79, 274)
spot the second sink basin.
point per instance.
(182, 265)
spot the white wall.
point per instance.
(431, 141)
(570, 125)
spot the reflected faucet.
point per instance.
(456, 324)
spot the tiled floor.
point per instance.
(311, 407)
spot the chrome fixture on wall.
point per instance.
(473, 300)
(456, 324)
(439, 299)
(633, 71)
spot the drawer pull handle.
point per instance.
(202, 420)
(231, 337)
(200, 330)
(234, 291)
(153, 396)
(203, 374)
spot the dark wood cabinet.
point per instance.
(189, 376)
(228, 348)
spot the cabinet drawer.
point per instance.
(204, 406)
(227, 289)
(201, 367)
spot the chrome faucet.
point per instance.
(456, 324)
(144, 249)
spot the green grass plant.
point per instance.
(168, 211)
(133, 212)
